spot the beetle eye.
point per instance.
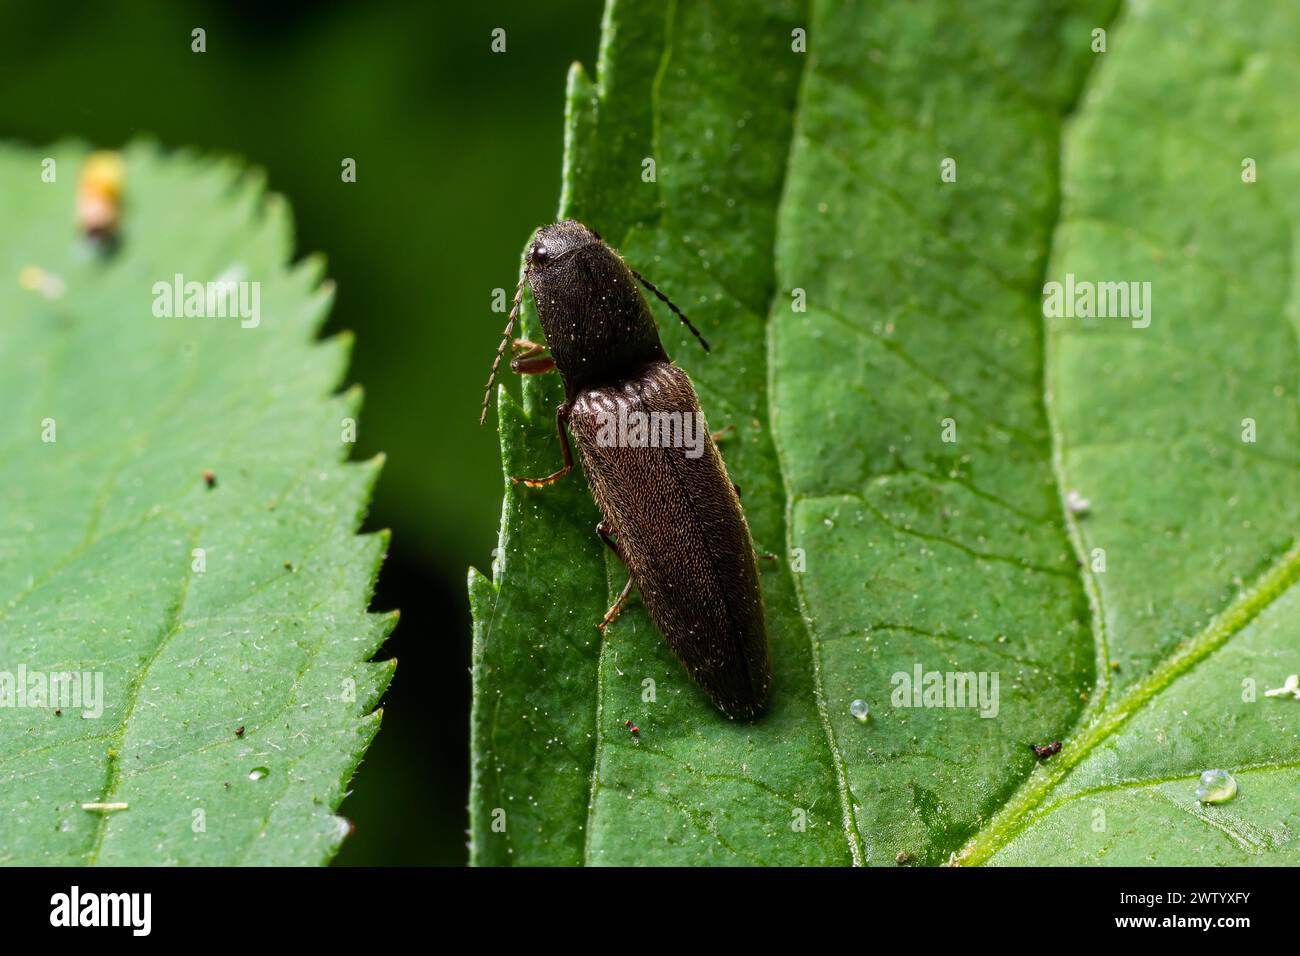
(539, 253)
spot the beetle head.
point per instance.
(554, 242)
(597, 326)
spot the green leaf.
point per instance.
(229, 699)
(1141, 631)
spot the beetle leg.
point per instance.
(723, 433)
(529, 364)
(561, 416)
(606, 532)
(532, 360)
(617, 608)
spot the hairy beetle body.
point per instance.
(671, 512)
(679, 528)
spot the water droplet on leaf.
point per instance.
(1216, 786)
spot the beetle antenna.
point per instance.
(669, 302)
(501, 350)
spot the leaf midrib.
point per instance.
(115, 773)
(848, 815)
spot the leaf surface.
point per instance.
(863, 311)
(223, 630)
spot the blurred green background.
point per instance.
(458, 158)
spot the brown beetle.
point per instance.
(671, 513)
